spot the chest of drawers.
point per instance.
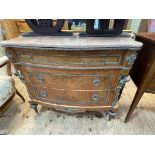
(73, 74)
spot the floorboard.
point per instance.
(19, 118)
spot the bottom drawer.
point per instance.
(71, 97)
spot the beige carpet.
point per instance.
(21, 119)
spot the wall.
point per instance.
(139, 25)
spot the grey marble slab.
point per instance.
(73, 42)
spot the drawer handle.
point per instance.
(43, 93)
(95, 97)
(96, 82)
(40, 78)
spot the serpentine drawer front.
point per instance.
(79, 82)
(87, 58)
(75, 80)
(73, 73)
(70, 97)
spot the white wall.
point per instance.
(135, 23)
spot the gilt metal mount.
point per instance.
(20, 75)
(118, 91)
(131, 59)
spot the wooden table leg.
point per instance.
(134, 104)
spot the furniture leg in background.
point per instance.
(143, 71)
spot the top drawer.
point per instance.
(77, 58)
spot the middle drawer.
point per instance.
(71, 81)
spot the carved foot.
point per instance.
(111, 114)
(34, 106)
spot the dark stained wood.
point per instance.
(143, 71)
(151, 85)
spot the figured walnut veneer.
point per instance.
(73, 74)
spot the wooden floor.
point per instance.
(21, 119)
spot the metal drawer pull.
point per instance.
(95, 97)
(40, 78)
(43, 93)
(96, 82)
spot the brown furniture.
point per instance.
(143, 71)
(71, 73)
(9, 28)
(7, 85)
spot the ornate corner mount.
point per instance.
(131, 59)
(10, 56)
(124, 79)
(119, 89)
(20, 75)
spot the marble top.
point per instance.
(72, 42)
